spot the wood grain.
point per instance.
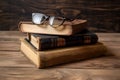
(14, 66)
(58, 74)
(103, 16)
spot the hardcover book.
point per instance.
(53, 57)
(68, 28)
(44, 42)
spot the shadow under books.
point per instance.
(87, 63)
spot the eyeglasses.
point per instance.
(39, 18)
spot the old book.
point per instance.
(68, 28)
(53, 57)
(44, 42)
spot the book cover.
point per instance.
(44, 42)
(43, 59)
(68, 28)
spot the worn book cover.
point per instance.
(53, 57)
(44, 42)
(68, 28)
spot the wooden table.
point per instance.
(15, 66)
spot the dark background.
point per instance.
(102, 15)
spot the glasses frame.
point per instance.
(51, 19)
(39, 16)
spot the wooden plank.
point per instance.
(11, 59)
(58, 74)
(11, 34)
(108, 62)
(9, 45)
(10, 40)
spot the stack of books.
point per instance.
(47, 46)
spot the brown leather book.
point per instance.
(45, 42)
(53, 57)
(68, 28)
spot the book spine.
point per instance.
(50, 43)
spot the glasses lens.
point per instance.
(38, 18)
(56, 21)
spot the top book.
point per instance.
(68, 28)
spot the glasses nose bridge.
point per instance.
(46, 17)
(51, 20)
(43, 18)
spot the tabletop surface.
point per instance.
(15, 66)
